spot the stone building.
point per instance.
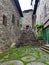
(27, 19)
(33, 16)
(10, 14)
(41, 10)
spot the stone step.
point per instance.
(45, 48)
(47, 45)
(27, 38)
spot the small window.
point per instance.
(18, 23)
(13, 19)
(27, 26)
(4, 20)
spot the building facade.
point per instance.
(41, 10)
(10, 16)
(27, 19)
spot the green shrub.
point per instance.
(39, 26)
(39, 35)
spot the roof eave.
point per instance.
(35, 7)
(18, 7)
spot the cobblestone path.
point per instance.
(27, 55)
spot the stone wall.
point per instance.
(9, 34)
(27, 19)
(42, 11)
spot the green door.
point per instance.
(44, 35)
(47, 34)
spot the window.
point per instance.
(4, 20)
(13, 18)
(27, 26)
(18, 23)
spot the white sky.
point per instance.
(33, 4)
(25, 4)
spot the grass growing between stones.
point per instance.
(11, 64)
(26, 54)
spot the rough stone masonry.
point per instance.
(9, 26)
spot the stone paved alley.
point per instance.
(27, 55)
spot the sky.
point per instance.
(25, 4)
(33, 3)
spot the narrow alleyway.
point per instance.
(24, 32)
(27, 38)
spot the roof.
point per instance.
(18, 7)
(35, 7)
(26, 11)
